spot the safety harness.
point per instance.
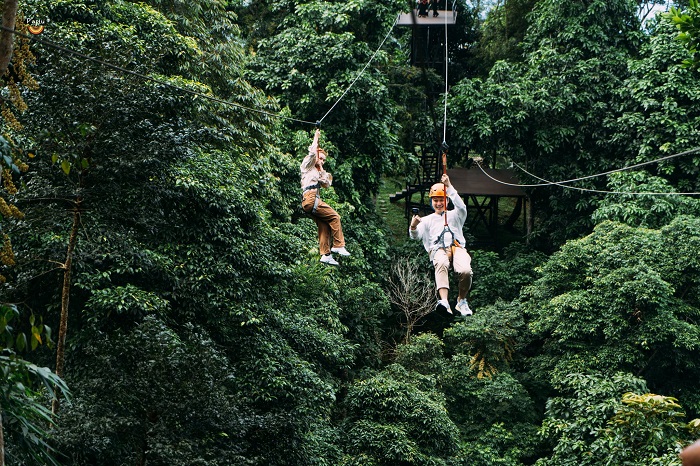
(441, 239)
(317, 187)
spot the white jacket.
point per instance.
(431, 226)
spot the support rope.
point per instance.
(563, 183)
(444, 121)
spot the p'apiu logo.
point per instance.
(35, 26)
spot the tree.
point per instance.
(7, 38)
(315, 58)
(182, 213)
(658, 113)
(550, 113)
(599, 418)
(397, 417)
(688, 22)
(580, 411)
(23, 416)
(411, 292)
(640, 210)
(502, 33)
(622, 299)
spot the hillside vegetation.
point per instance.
(161, 296)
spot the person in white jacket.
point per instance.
(313, 178)
(442, 236)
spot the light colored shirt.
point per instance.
(310, 175)
(431, 226)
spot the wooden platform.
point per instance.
(473, 181)
(481, 190)
(444, 16)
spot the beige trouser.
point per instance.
(462, 264)
(327, 220)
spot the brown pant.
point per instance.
(462, 264)
(327, 220)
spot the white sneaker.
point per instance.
(443, 305)
(342, 251)
(328, 259)
(463, 307)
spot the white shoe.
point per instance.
(443, 305)
(328, 259)
(463, 307)
(342, 251)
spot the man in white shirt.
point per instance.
(441, 233)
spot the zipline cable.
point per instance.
(564, 183)
(633, 193)
(444, 120)
(362, 71)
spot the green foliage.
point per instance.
(645, 210)
(503, 32)
(602, 419)
(580, 412)
(397, 417)
(620, 299)
(659, 113)
(647, 429)
(25, 420)
(174, 407)
(550, 112)
(688, 22)
(204, 331)
(501, 276)
(490, 337)
(183, 270)
(424, 354)
(311, 60)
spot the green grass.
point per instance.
(392, 213)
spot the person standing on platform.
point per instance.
(423, 8)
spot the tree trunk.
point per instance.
(65, 296)
(9, 13)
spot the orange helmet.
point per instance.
(437, 190)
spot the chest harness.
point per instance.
(440, 241)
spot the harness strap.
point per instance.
(317, 187)
(441, 239)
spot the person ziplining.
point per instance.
(313, 178)
(443, 239)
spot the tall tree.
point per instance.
(621, 299)
(314, 63)
(550, 114)
(7, 38)
(179, 222)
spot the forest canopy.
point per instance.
(161, 295)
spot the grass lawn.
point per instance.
(392, 213)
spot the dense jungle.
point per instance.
(162, 301)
